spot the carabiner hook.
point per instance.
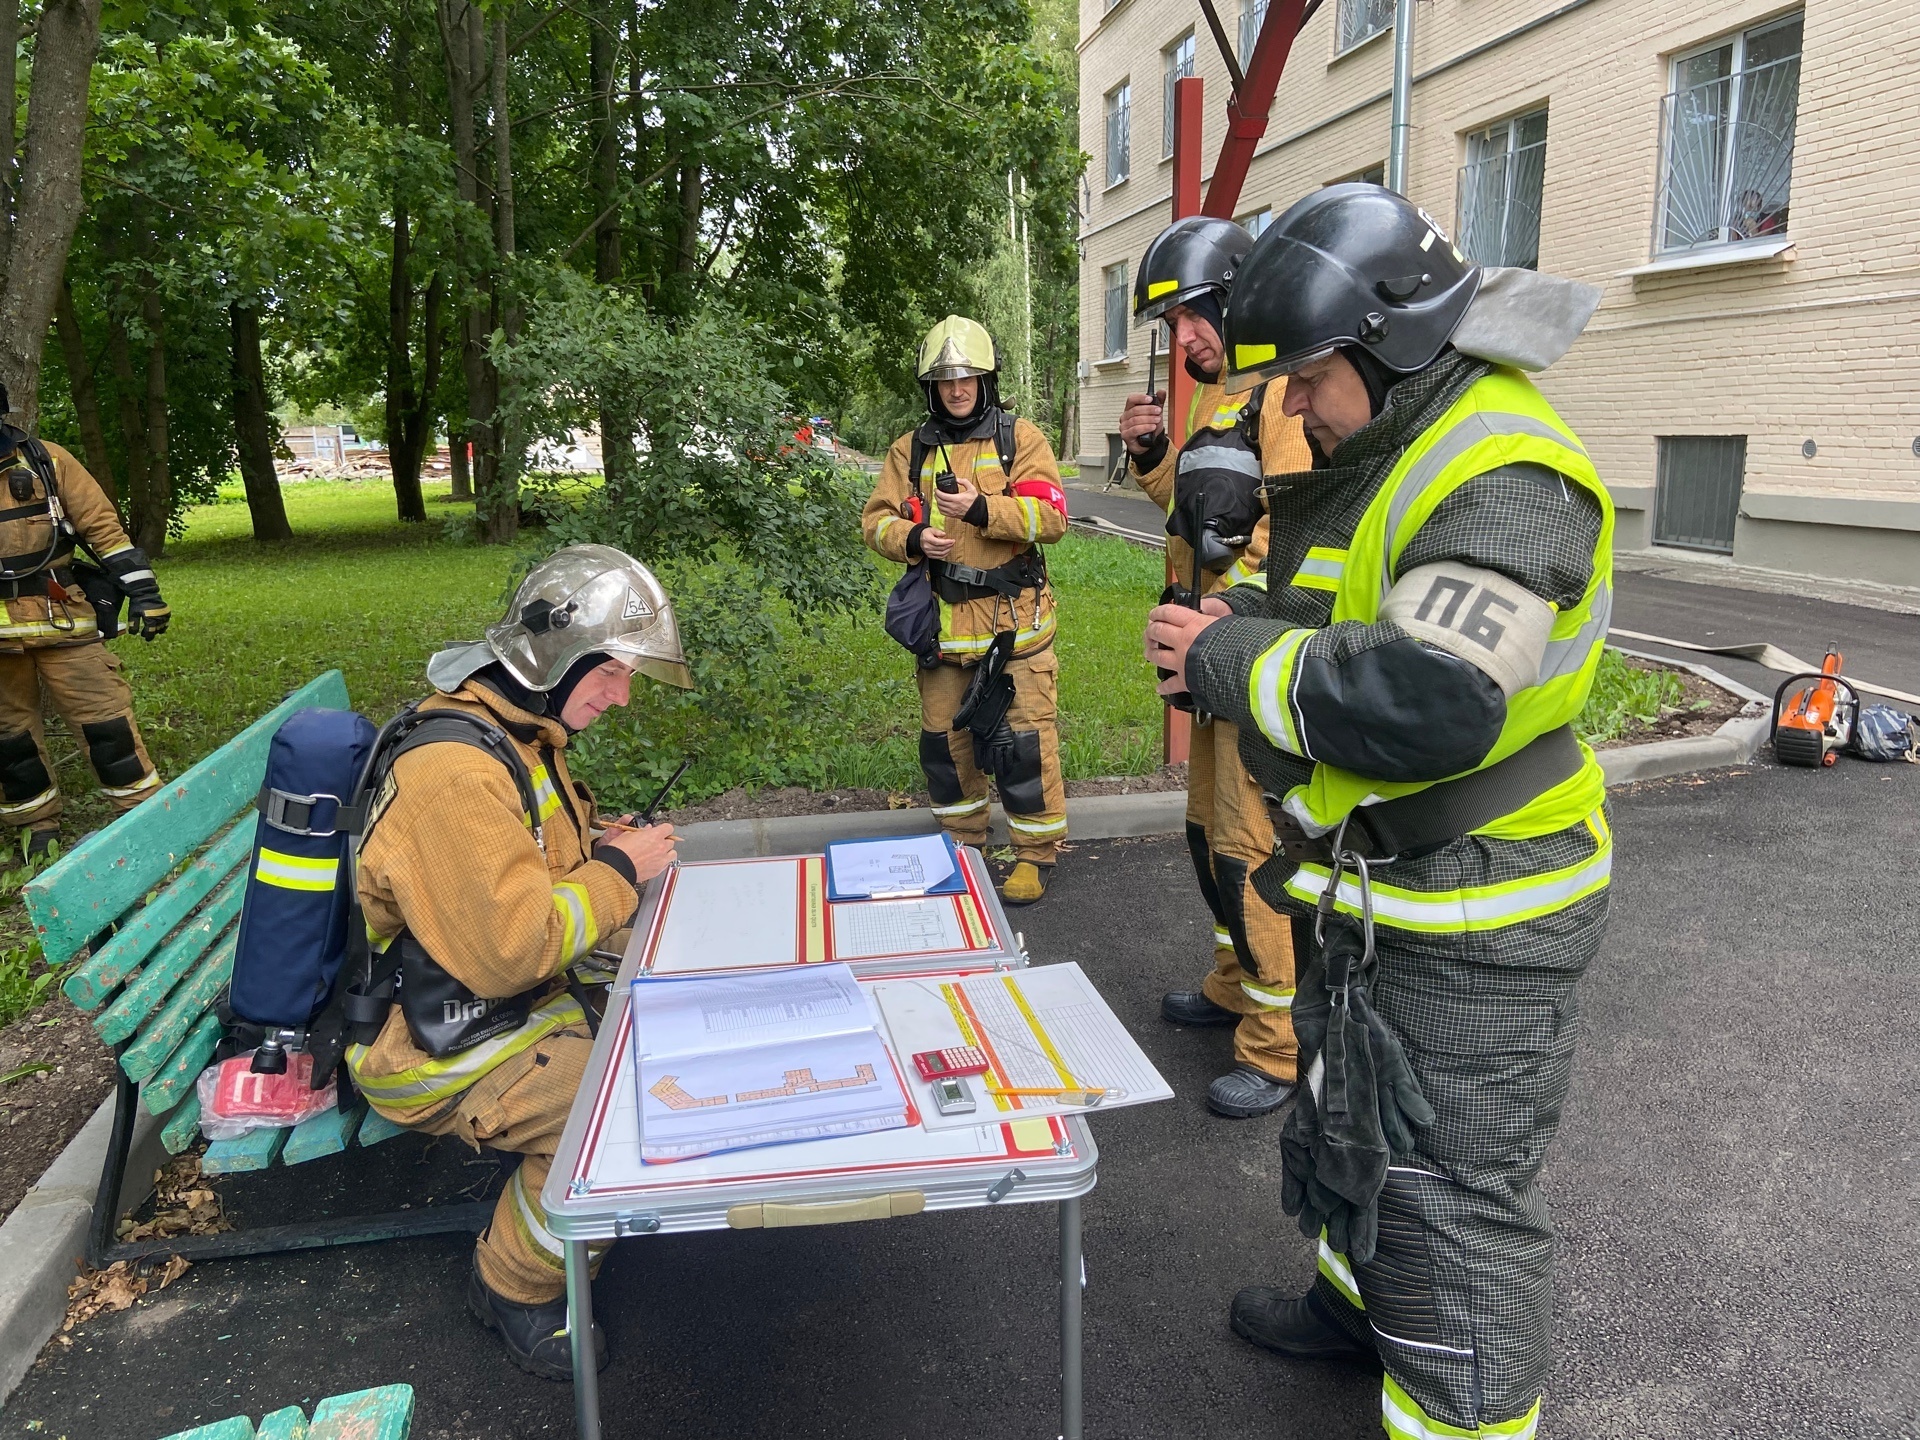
(1342, 858)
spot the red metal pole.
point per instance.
(1189, 98)
(1247, 111)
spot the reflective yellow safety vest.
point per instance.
(1501, 420)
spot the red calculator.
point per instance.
(954, 1060)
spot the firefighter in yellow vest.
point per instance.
(974, 493)
(1442, 832)
(1233, 442)
(50, 636)
(479, 909)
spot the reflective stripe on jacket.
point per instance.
(1501, 420)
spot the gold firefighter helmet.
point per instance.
(587, 599)
(955, 348)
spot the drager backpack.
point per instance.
(295, 916)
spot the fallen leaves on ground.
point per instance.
(183, 1204)
(897, 800)
(114, 1289)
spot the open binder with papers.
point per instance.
(723, 1062)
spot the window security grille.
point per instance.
(1727, 140)
(1500, 188)
(1119, 132)
(1177, 63)
(1698, 498)
(1362, 20)
(1115, 294)
(1253, 14)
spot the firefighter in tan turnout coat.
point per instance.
(482, 909)
(51, 632)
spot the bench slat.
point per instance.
(287, 1424)
(254, 1150)
(176, 959)
(97, 976)
(103, 876)
(238, 1428)
(385, 1413)
(325, 1134)
(376, 1127)
(175, 1078)
(189, 1001)
(183, 1126)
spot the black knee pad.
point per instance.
(110, 746)
(1202, 853)
(1023, 789)
(1399, 1278)
(1230, 883)
(936, 763)
(22, 775)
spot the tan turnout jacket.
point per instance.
(34, 622)
(451, 857)
(1015, 524)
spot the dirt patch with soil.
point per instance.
(45, 1108)
(1704, 707)
(788, 800)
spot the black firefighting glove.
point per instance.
(147, 613)
(984, 709)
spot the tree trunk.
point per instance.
(692, 201)
(463, 47)
(46, 205)
(500, 501)
(9, 87)
(616, 429)
(151, 508)
(253, 428)
(457, 459)
(86, 395)
(133, 431)
(401, 397)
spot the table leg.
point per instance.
(1072, 1281)
(586, 1372)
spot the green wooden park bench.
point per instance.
(382, 1414)
(153, 900)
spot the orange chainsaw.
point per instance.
(1813, 715)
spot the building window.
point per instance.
(1177, 63)
(1361, 20)
(1115, 292)
(1500, 185)
(1372, 175)
(1119, 132)
(1258, 221)
(1253, 14)
(1728, 140)
(1698, 495)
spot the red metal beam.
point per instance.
(1247, 111)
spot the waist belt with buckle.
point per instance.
(956, 584)
(1420, 823)
(36, 583)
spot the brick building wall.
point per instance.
(1820, 343)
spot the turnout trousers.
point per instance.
(85, 686)
(1229, 836)
(521, 1106)
(1458, 1298)
(1031, 791)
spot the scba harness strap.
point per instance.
(957, 584)
(443, 1015)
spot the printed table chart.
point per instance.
(599, 1189)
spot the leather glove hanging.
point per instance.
(1361, 1103)
(984, 708)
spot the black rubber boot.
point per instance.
(1192, 1007)
(40, 841)
(1296, 1326)
(536, 1336)
(1244, 1092)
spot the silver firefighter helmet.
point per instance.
(586, 599)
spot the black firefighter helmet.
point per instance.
(1352, 265)
(1190, 257)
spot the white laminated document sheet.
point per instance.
(727, 1062)
(897, 865)
(1045, 1027)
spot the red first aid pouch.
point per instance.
(234, 1100)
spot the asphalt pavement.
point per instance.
(1696, 601)
(1735, 1185)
